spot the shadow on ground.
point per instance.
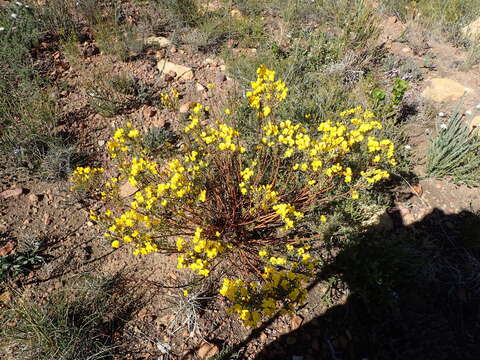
(414, 294)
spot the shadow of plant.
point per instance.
(413, 293)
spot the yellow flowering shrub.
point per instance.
(224, 202)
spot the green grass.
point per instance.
(28, 113)
(75, 323)
(447, 17)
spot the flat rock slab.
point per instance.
(443, 89)
(159, 41)
(182, 72)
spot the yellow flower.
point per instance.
(115, 244)
(323, 218)
(133, 133)
(202, 196)
(185, 292)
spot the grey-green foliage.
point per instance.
(159, 139)
(455, 152)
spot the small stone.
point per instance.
(160, 123)
(173, 49)
(406, 50)
(101, 142)
(417, 189)
(296, 322)
(263, 337)
(236, 13)
(159, 41)
(12, 193)
(223, 67)
(149, 112)
(89, 223)
(33, 198)
(127, 190)
(5, 297)
(181, 72)
(206, 351)
(220, 78)
(200, 88)
(184, 108)
(7, 248)
(209, 61)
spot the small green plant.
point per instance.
(110, 95)
(455, 152)
(121, 41)
(386, 107)
(187, 310)
(20, 262)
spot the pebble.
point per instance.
(220, 78)
(33, 198)
(12, 193)
(101, 142)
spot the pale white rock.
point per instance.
(159, 41)
(182, 72)
(200, 88)
(126, 190)
(443, 89)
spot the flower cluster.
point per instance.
(266, 92)
(222, 200)
(282, 288)
(85, 178)
(170, 100)
(199, 253)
